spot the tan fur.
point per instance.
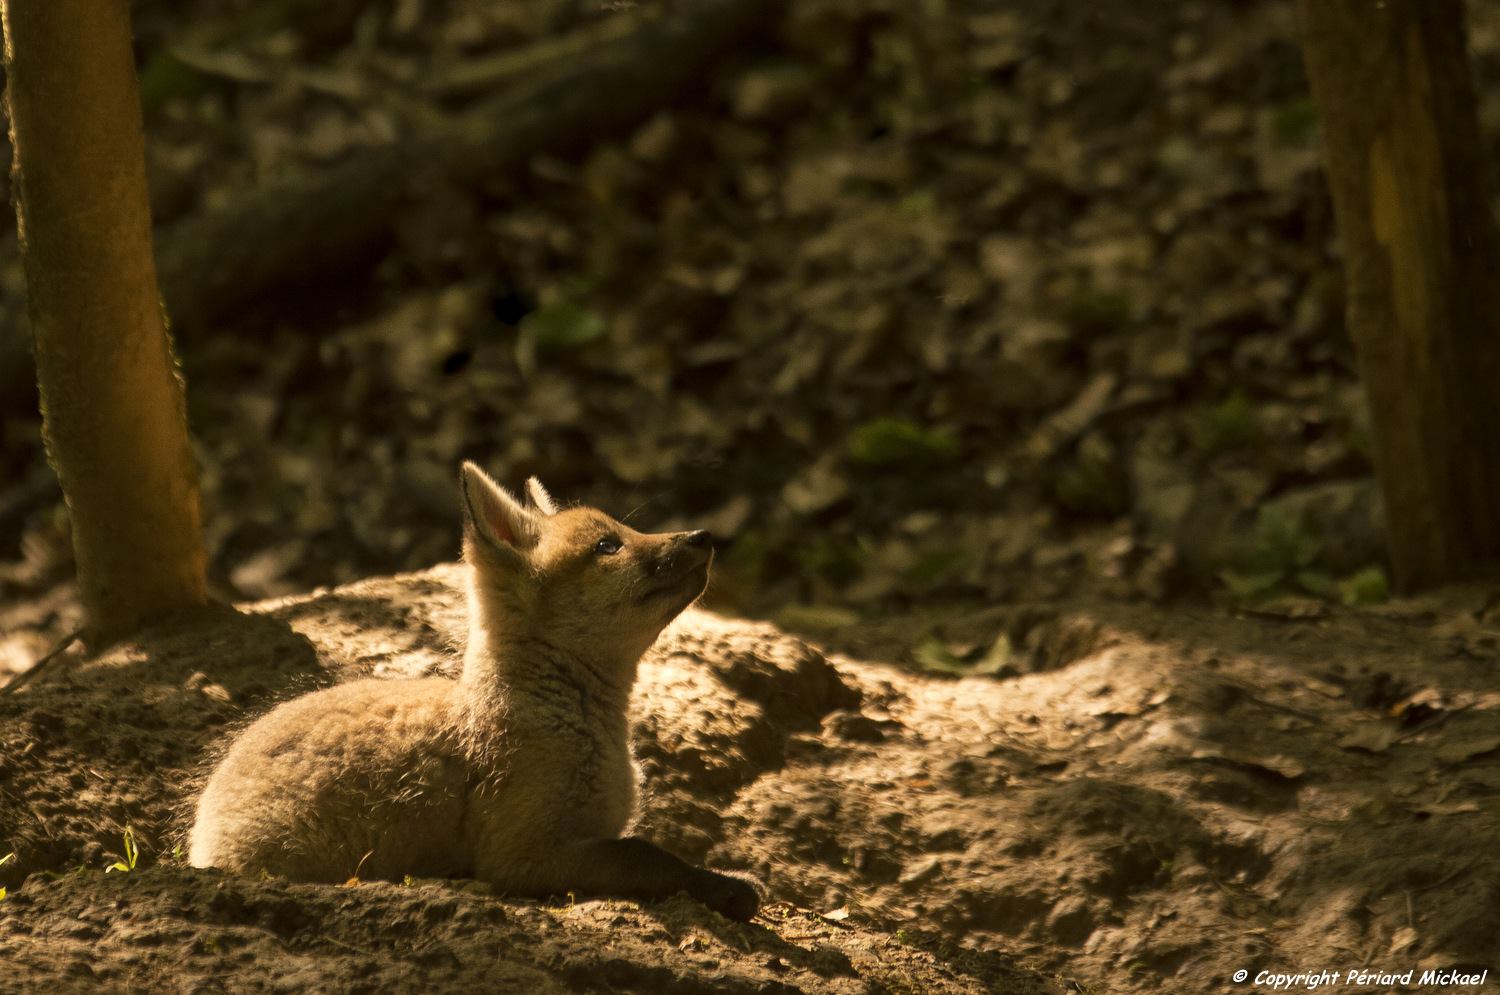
(518, 773)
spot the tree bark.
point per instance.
(1412, 199)
(112, 403)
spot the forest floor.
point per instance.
(1154, 801)
(1000, 344)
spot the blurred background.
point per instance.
(913, 305)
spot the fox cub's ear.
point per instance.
(540, 497)
(491, 513)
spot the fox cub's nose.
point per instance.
(701, 539)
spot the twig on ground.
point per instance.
(24, 677)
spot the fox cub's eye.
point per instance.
(608, 546)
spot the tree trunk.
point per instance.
(1412, 200)
(112, 403)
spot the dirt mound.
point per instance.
(1192, 795)
(122, 741)
(173, 929)
(1152, 800)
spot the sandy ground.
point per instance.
(1137, 801)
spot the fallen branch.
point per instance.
(25, 677)
(283, 236)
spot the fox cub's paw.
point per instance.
(732, 894)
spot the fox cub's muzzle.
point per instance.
(679, 567)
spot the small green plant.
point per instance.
(1280, 560)
(1095, 310)
(1229, 425)
(76, 872)
(933, 654)
(564, 324)
(836, 559)
(1280, 556)
(1367, 587)
(891, 440)
(1093, 483)
(752, 556)
(938, 567)
(132, 854)
(1296, 122)
(818, 619)
(918, 203)
(165, 78)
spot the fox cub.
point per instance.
(518, 773)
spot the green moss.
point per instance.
(918, 203)
(895, 60)
(937, 568)
(1318, 584)
(816, 620)
(1295, 122)
(833, 558)
(165, 78)
(1366, 587)
(1231, 424)
(1093, 487)
(1250, 586)
(1095, 310)
(751, 556)
(1360, 441)
(891, 440)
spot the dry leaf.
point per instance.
(1403, 939)
(1451, 808)
(1278, 764)
(818, 487)
(1371, 737)
(1456, 752)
